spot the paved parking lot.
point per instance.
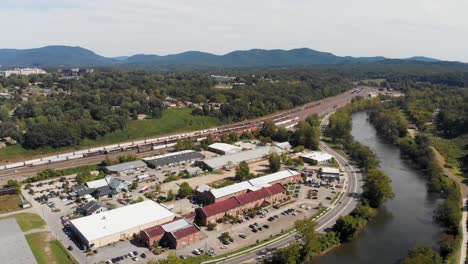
(303, 204)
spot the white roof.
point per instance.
(267, 179)
(220, 161)
(176, 225)
(228, 148)
(253, 184)
(230, 189)
(317, 156)
(97, 183)
(203, 188)
(329, 170)
(121, 219)
(284, 145)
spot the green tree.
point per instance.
(242, 171)
(347, 227)
(422, 255)
(268, 129)
(377, 188)
(184, 190)
(290, 254)
(170, 195)
(306, 227)
(275, 162)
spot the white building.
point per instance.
(223, 148)
(317, 158)
(119, 224)
(329, 173)
(24, 71)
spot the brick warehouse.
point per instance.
(238, 205)
(175, 234)
(212, 195)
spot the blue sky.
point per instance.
(397, 28)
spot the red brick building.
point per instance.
(174, 234)
(183, 237)
(238, 205)
(152, 235)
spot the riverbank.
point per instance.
(402, 222)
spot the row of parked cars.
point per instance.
(131, 255)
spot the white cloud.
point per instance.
(397, 28)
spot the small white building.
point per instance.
(329, 173)
(223, 148)
(317, 158)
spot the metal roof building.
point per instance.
(111, 226)
(328, 172)
(231, 159)
(252, 184)
(274, 177)
(317, 157)
(223, 148)
(173, 158)
(126, 166)
(15, 248)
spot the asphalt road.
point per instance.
(321, 107)
(344, 207)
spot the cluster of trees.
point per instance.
(313, 243)
(390, 123)
(446, 107)
(377, 185)
(120, 159)
(306, 133)
(104, 101)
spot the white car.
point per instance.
(224, 247)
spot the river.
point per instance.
(402, 223)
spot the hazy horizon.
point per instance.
(362, 28)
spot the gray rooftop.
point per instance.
(168, 159)
(221, 161)
(14, 247)
(126, 166)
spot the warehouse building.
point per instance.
(174, 234)
(317, 158)
(125, 167)
(228, 161)
(329, 173)
(119, 224)
(212, 195)
(223, 148)
(238, 205)
(173, 158)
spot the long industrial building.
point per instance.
(119, 224)
(173, 158)
(226, 161)
(213, 195)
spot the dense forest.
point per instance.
(104, 101)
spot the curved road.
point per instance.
(344, 207)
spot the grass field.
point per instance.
(452, 150)
(172, 120)
(48, 250)
(27, 221)
(9, 203)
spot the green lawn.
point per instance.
(452, 150)
(47, 250)
(172, 120)
(27, 221)
(9, 203)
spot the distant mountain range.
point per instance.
(66, 56)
